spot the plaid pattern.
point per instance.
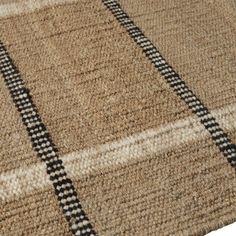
(103, 133)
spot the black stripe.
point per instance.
(44, 147)
(218, 135)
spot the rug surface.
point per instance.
(117, 117)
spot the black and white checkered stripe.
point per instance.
(44, 147)
(176, 83)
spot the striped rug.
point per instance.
(117, 117)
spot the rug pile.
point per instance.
(117, 117)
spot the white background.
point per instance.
(229, 230)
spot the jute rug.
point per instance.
(117, 117)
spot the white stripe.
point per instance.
(81, 163)
(18, 7)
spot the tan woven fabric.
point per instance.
(99, 135)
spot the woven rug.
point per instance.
(117, 117)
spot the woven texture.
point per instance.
(117, 117)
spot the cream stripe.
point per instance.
(81, 163)
(18, 7)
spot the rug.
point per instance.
(117, 117)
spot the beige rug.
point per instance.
(117, 117)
